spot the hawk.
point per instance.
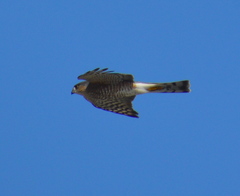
(115, 92)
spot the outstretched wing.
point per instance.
(119, 106)
(104, 76)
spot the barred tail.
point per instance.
(172, 87)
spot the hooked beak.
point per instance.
(73, 91)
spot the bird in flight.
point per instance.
(115, 92)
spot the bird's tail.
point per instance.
(171, 87)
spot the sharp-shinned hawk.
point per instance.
(115, 92)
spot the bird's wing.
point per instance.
(120, 106)
(104, 76)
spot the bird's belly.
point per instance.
(112, 91)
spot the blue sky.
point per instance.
(55, 143)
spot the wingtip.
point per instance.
(135, 116)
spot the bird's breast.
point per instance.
(103, 91)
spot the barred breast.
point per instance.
(104, 91)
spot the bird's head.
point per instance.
(80, 88)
